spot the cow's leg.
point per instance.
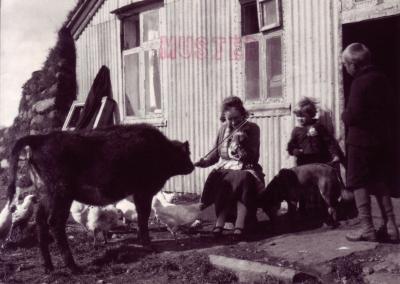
(325, 189)
(57, 221)
(143, 206)
(44, 236)
(104, 236)
(292, 214)
(95, 238)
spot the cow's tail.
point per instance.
(32, 141)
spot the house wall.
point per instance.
(194, 85)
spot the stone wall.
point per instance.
(46, 99)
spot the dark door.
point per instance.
(382, 37)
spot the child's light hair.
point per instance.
(306, 106)
(357, 53)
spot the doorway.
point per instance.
(382, 37)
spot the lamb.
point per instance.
(174, 216)
(96, 219)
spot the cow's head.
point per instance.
(181, 163)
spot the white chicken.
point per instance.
(96, 219)
(21, 214)
(174, 216)
(79, 212)
(102, 219)
(5, 220)
(167, 196)
(128, 209)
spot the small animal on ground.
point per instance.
(128, 209)
(295, 185)
(5, 221)
(174, 216)
(97, 218)
(79, 212)
(97, 167)
(21, 214)
(103, 219)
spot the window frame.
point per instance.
(278, 22)
(75, 106)
(265, 105)
(141, 49)
(264, 98)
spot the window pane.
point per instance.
(249, 19)
(274, 67)
(252, 71)
(150, 25)
(130, 33)
(152, 82)
(268, 12)
(132, 96)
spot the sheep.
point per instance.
(96, 219)
(174, 216)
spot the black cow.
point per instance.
(98, 168)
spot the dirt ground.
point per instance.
(121, 260)
(124, 260)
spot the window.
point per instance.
(269, 13)
(73, 116)
(262, 52)
(274, 66)
(141, 64)
(250, 18)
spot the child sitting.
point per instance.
(311, 142)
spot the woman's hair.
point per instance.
(235, 102)
(306, 106)
(358, 54)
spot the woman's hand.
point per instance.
(200, 163)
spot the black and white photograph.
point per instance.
(200, 141)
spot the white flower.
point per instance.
(312, 131)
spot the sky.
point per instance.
(28, 31)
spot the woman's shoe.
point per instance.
(217, 231)
(238, 234)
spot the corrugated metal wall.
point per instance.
(98, 45)
(197, 85)
(194, 85)
(312, 55)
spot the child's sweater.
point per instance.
(315, 144)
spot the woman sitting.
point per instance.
(235, 181)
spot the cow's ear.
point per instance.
(186, 146)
